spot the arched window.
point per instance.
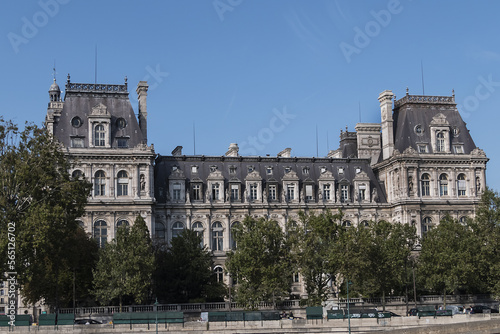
(77, 174)
(443, 185)
(217, 237)
(219, 274)
(426, 225)
(81, 224)
(462, 220)
(122, 186)
(101, 233)
(346, 223)
(440, 142)
(198, 228)
(365, 223)
(99, 135)
(177, 229)
(159, 231)
(426, 185)
(461, 185)
(99, 183)
(122, 223)
(233, 241)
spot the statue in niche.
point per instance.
(410, 184)
(374, 195)
(143, 182)
(478, 185)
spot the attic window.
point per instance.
(287, 169)
(76, 122)
(174, 168)
(459, 149)
(121, 123)
(323, 170)
(341, 170)
(456, 131)
(194, 169)
(250, 169)
(232, 170)
(419, 130)
(269, 170)
(358, 170)
(122, 143)
(213, 169)
(305, 170)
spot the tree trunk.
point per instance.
(383, 301)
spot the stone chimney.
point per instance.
(233, 150)
(142, 94)
(385, 99)
(177, 151)
(286, 153)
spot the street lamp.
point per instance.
(156, 309)
(348, 311)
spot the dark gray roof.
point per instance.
(81, 98)
(164, 167)
(414, 110)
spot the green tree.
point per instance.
(184, 271)
(39, 203)
(261, 262)
(447, 262)
(125, 267)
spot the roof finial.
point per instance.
(68, 77)
(54, 68)
(453, 93)
(406, 90)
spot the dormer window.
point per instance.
(269, 170)
(440, 147)
(213, 169)
(232, 169)
(121, 123)
(305, 170)
(287, 170)
(76, 122)
(323, 169)
(341, 170)
(250, 169)
(194, 169)
(99, 135)
(458, 149)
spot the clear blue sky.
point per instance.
(231, 66)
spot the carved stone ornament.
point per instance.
(396, 152)
(100, 110)
(439, 119)
(410, 151)
(478, 152)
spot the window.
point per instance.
(250, 169)
(177, 229)
(458, 149)
(461, 185)
(418, 129)
(121, 123)
(217, 237)
(346, 223)
(456, 131)
(290, 192)
(443, 185)
(101, 233)
(296, 277)
(422, 148)
(309, 192)
(159, 231)
(365, 223)
(232, 170)
(215, 191)
(122, 223)
(99, 183)
(462, 220)
(122, 188)
(176, 192)
(272, 192)
(198, 228)
(81, 224)
(269, 170)
(122, 142)
(440, 142)
(76, 122)
(194, 169)
(77, 142)
(305, 170)
(219, 274)
(287, 170)
(99, 135)
(253, 192)
(426, 188)
(326, 192)
(196, 192)
(344, 193)
(233, 240)
(235, 192)
(323, 170)
(77, 174)
(358, 170)
(426, 225)
(361, 192)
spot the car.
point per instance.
(413, 312)
(455, 309)
(87, 322)
(482, 309)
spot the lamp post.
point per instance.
(156, 320)
(348, 311)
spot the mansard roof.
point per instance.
(412, 111)
(97, 100)
(269, 168)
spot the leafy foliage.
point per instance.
(42, 201)
(184, 271)
(126, 266)
(261, 262)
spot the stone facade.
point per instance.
(419, 164)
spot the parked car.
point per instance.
(456, 309)
(87, 322)
(482, 309)
(413, 312)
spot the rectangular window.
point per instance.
(253, 192)
(426, 188)
(309, 192)
(235, 192)
(232, 170)
(122, 187)
(272, 192)
(122, 143)
(344, 193)
(269, 170)
(459, 149)
(176, 194)
(461, 187)
(326, 192)
(422, 148)
(77, 142)
(305, 170)
(290, 192)
(194, 169)
(361, 192)
(196, 192)
(215, 191)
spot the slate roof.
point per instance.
(413, 110)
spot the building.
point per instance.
(415, 166)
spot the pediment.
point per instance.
(291, 175)
(100, 110)
(439, 120)
(253, 176)
(326, 175)
(177, 174)
(215, 175)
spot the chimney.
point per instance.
(233, 150)
(177, 151)
(286, 153)
(142, 94)
(385, 99)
